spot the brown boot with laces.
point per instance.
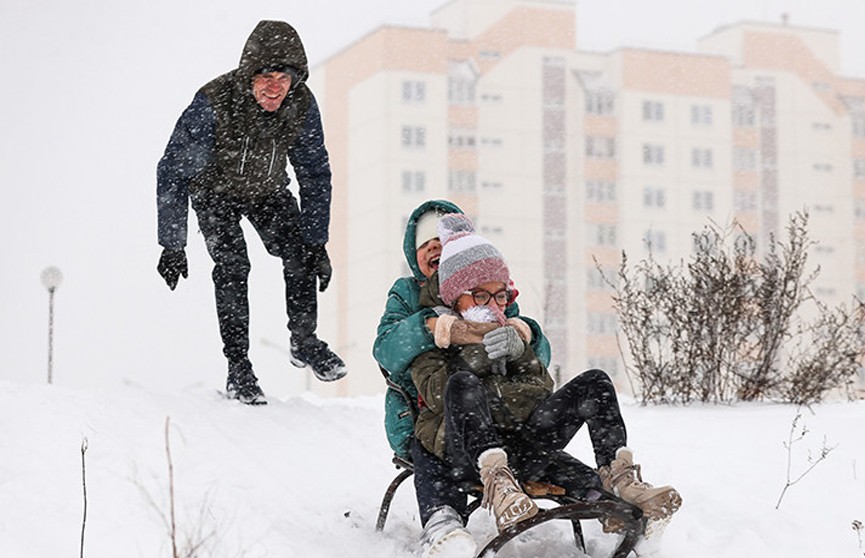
(502, 494)
(622, 477)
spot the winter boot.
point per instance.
(445, 536)
(622, 478)
(242, 384)
(509, 503)
(315, 353)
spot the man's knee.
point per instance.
(231, 266)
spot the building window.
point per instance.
(655, 241)
(701, 158)
(701, 115)
(743, 116)
(822, 167)
(821, 87)
(461, 91)
(491, 185)
(461, 181)
(653, 111)
(462, 80)
(602, 235)
(821, 126)
(703, 201)
(489, 231)
(600, 103)
(859, 169)
(600, 147)
(858, 123)
(653, 154)
(654, 197)
(413, 91)
(461, 140)
(492, 142)
(413, 136)
(413, 181)
(744, 159)
(745, 201)
(599, 191)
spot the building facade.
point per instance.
(566, 157)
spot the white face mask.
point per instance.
(479, 314)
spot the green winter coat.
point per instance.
(402, 335)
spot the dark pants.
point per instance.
(276, 219)
(535, 451)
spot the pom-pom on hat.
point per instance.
(468, 259)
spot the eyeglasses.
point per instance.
(482, 297)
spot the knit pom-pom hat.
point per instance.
(468, 260)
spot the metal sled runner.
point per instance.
(605, 505)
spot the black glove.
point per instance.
(318, 264)
(172, 264)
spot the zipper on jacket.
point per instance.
(243, 157)
(272, 157)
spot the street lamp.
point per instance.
(51, 278)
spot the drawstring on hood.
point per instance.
(243, 157)
(272, 156)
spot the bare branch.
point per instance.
(84, 447)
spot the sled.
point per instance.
(598, 505)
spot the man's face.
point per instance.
(269, 89)
(428, 256)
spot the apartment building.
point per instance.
(566, 157)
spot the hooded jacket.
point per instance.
(226, 146)
(402, 333)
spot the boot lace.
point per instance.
(498, 477)
(629, 475)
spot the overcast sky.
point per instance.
(91, 91)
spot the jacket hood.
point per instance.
(408, 243)
(273, 44)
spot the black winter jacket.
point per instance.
(225, 144)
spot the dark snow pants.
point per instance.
(535, 451)
(276, 219)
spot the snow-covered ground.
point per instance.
(304, 477)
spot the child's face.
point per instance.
(497, 293)
(428, 256)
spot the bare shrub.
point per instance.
(718, 327)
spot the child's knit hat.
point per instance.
(468, 259)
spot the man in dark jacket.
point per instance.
(228, 154)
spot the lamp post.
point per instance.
(51, 278)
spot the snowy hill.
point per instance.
(303, 477)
